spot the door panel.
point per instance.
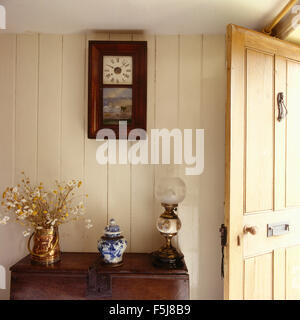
(259, 277)
(262, 168)
(279, 274)
(274, 275)
(259, 131)
(293, 135)
(293, 273)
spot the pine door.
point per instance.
(262, 257)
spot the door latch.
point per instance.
(282, 110)
(223, 231)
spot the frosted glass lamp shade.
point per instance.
(170, 190)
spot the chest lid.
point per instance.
(80, 262)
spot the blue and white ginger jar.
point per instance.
(112, 245)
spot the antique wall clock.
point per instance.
(117, 85)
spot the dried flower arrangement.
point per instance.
(35, 208)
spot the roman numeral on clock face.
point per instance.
(117, 69)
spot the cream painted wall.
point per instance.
(43, 120)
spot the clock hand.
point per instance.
(110, 66)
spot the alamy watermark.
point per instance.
(137, 152)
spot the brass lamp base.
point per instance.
(168, 224)
(167, 256)
(174, 261)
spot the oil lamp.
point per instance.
(170, 192)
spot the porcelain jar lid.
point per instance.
(112, 229)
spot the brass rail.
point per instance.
(268, 29)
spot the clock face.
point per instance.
(117, 70)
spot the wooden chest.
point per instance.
(82, 276)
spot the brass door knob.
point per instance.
(250, 229)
